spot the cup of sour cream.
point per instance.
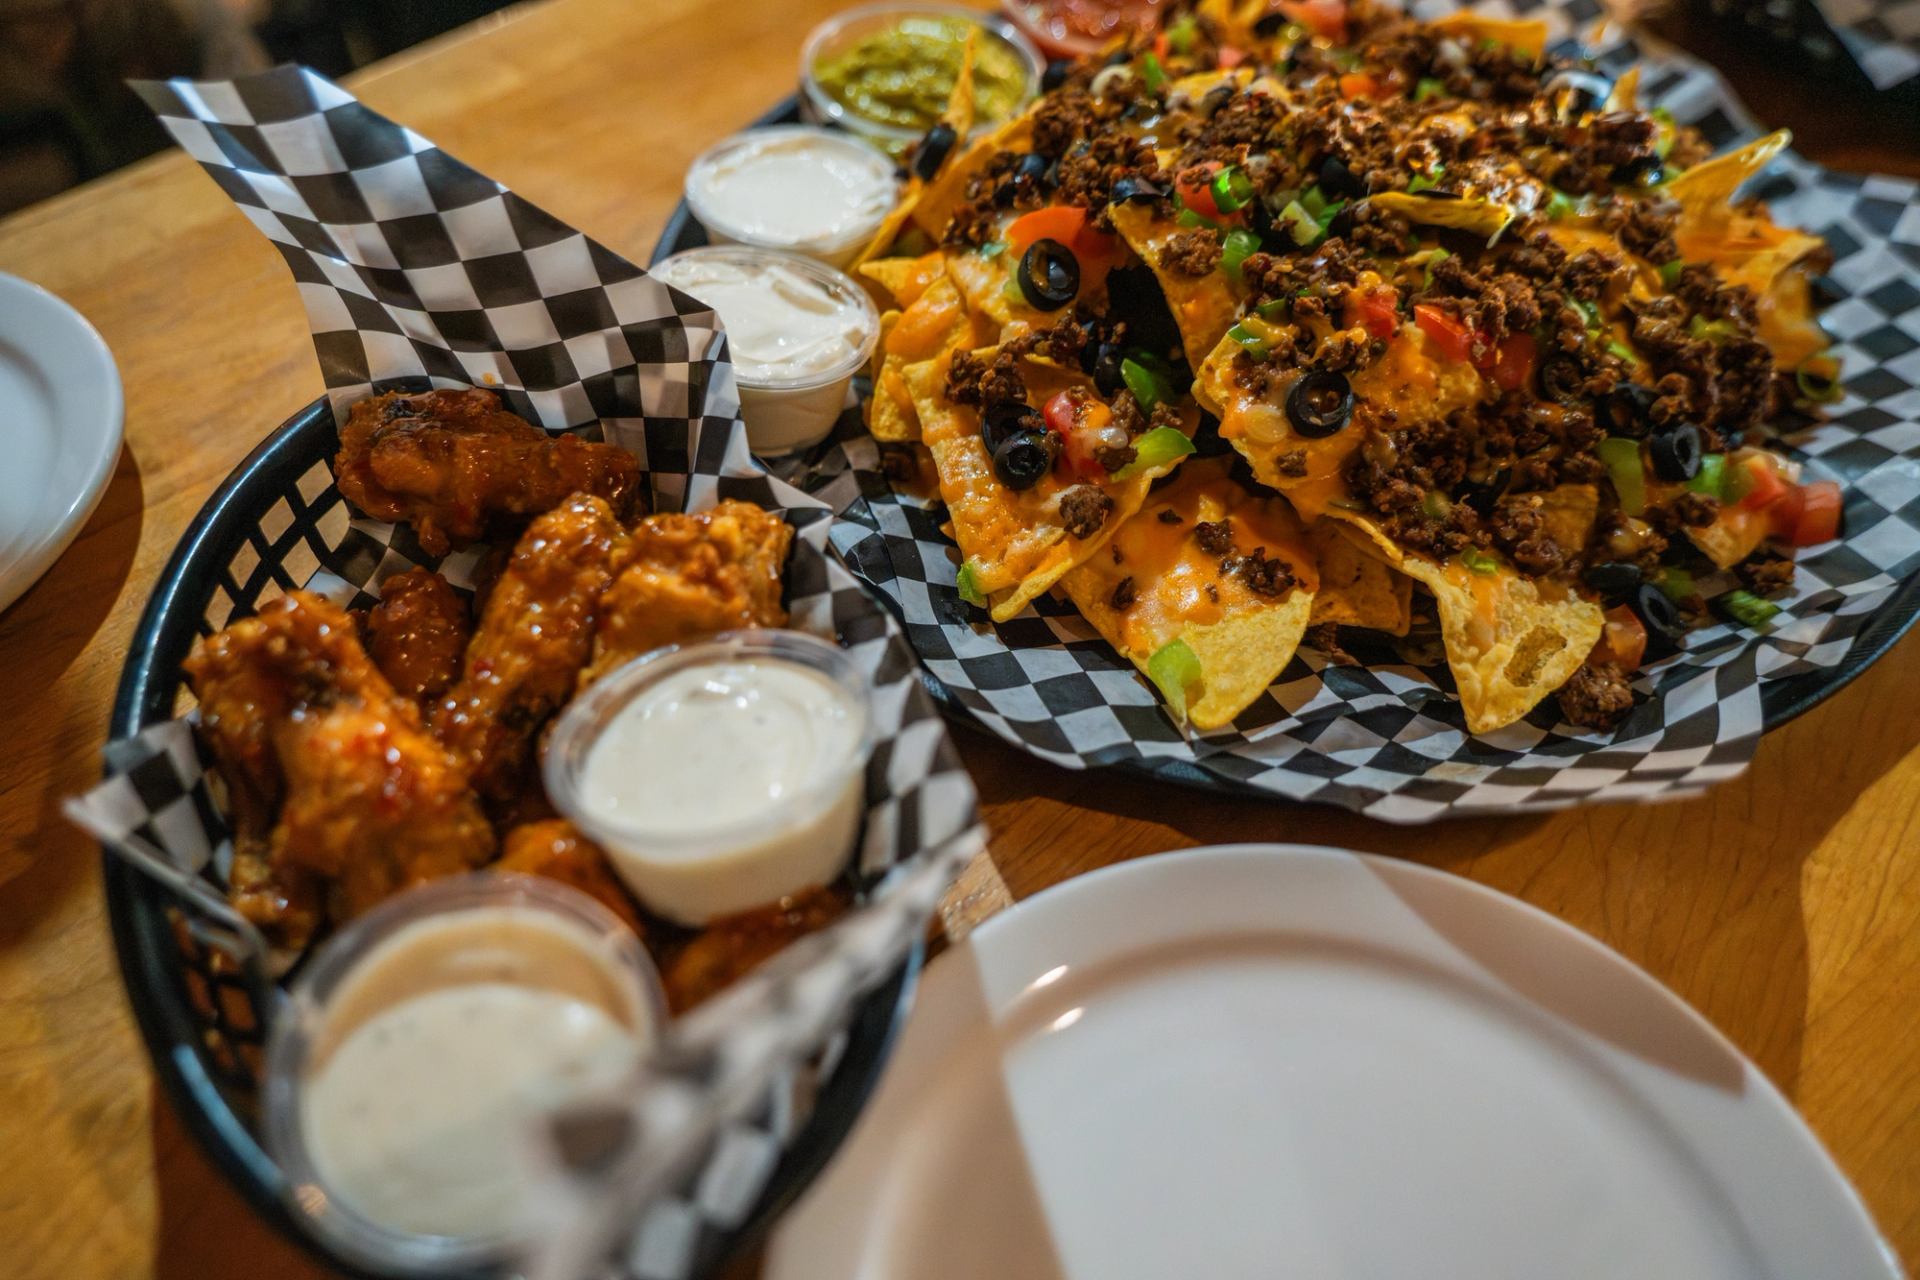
(797, 330)
(793, 187)
(422, 1046)
(721, 776)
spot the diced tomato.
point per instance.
(1818, 519)
(1450, 335)
(1059, 413)
(1231, 56)
(1078, 420)
(1768, 486)
(1326, 18)
(1198, 196)
(1375, 311)
(1623, 641)
(1064, 223)
(1514, 360)
(1783, 513)
(1359, 85)
(1160, 46)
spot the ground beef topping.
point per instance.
(1766, 575)
(1261, 573)
(1123, 595)
(1596, 696)
(1214, 536)
(1192, 253)
(1084, 510)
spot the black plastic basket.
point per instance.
(204, 1026)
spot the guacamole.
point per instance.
(902, 75)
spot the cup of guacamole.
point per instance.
(886, 72)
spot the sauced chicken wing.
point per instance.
(534, 636)
(454, 465)
(339, 795)
(556, 849)
(728, 949)
(418, 633)
(689, 576)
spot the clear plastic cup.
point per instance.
(485, 929)
(842, 31)
(867, 184)
(696, 873)
(784, 410)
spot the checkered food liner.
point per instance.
(1386, 738)
(1882, 35)
(417, 271)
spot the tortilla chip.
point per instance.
(1733, 537)
(1243, 641)
(937, 323)
(948, 190)
(1509, 642)
(1528, 35)
(1014, 544)
(1409, 382)
(1204, 307)
(905, 279)
(1357, 587)
(959, 114)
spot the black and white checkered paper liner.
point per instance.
(415, 271)
(1390, 740)
(1882, 35)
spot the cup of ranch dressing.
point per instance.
(420, 1049)
(795, 187)
(722, 776)
(797, 330)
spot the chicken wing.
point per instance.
(556, 849)
(418, 633)
(456, 466)
(689, 576)
(534, 636)
(728, 949)
(339, 796)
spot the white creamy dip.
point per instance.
(431, 1059)
(793, 187)
(724, 781)
(796, 332)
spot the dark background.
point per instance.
(66, 114)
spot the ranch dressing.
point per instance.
(793, 187)
(426, 1043)
(796, 332)
(721, 778)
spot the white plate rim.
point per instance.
(40, 322)
(1841, 1221)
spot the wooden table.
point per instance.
(1785, 906)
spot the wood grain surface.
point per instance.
(1785, 906)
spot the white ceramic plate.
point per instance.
(60, 419)
(1273, 1061)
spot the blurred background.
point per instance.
(66, 114)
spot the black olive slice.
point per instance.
(1628, 409)
(1004, 419)
(1049, 275)
(1032, 167)
(1562, 380)
(1660, 613)
(1641, 171)
(1481, 495)
(932, 150)
(1056, 74)
(1132, 190)
(1320, 403)
(1615, 579)
(1022, 460)
(1107, 378)
(1676, 454)
(1337, 180)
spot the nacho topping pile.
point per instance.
(1432, 307)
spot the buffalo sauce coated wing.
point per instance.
(555, 849)
(534, 636)
(726, 950)
(418, 634)
(689, 576)
(340, 796)
(454, 465)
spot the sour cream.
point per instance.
(797, 331)
(425, 1045)
(793, 187)
(721, 777)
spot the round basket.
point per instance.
(204, 1027)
